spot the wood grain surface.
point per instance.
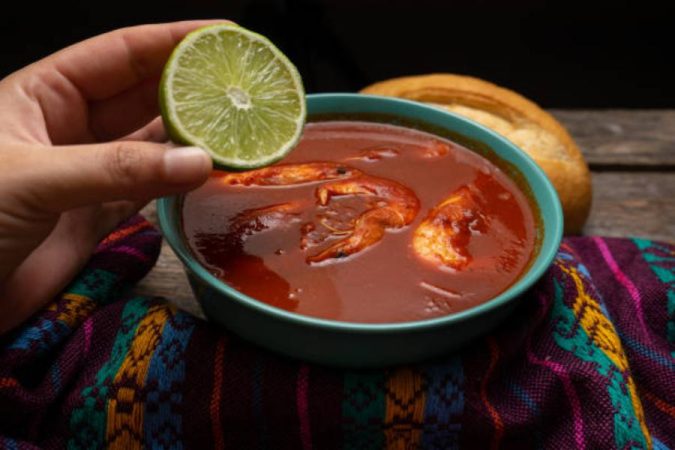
(632, 158)
(629, 139)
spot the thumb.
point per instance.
(74, 176)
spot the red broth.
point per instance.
(266, 255)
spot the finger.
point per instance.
(152, 132)
(53, 263)
(124, 113)
(111, 63)
(68, 177)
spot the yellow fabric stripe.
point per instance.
(405, 401)
(124, 428)
(75, 308)
(604, 336)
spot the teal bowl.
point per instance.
(350, 344)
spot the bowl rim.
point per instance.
(537, 268)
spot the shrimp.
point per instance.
(435, 149)
(289, 174)
(252, 221)
(374, 154)
(432, 150)
(396, 208)
(443, 236)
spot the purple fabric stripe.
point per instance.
(303, 407)
(130, 251)
(88, 330)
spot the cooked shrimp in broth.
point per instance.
(289, 174)
(365, 222)
(443, 237)
(396, 208)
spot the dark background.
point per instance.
(591, 55)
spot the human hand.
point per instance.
(81, 149)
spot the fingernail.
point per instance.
(186, 164)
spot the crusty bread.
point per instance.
(528, 126)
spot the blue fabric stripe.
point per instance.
(658, 445)
(444, 405)
(163, 425)
(525, 398)
(9, 444)
(97, 285)
(646, 351)
(531, 404)
(43, 335)
(55, 375)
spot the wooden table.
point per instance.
(631, 154)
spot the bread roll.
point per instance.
(524, 123)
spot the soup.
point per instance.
(365, 222)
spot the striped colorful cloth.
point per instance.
(587, 361)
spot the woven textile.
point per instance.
(586, 361)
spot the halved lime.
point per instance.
(231, 92)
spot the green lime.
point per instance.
(231, 92)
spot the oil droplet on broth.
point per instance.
(295, 294)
